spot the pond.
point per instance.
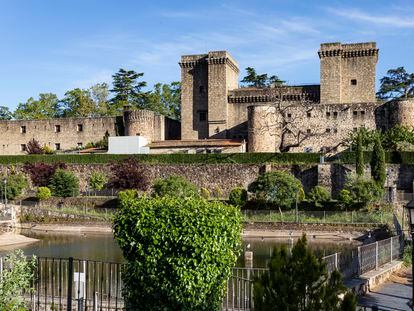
(103, 247)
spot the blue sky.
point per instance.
(54, 46)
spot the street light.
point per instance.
(410, 208)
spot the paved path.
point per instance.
(9, 239)
(391, 295)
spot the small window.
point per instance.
(328, 114)
(328, 130)
(201, 89)
(308, 131)
(202, 116)
(80, 127)
(23, 129)
(335, 114)
(80, 145)
(23, 147)
(355, 129)
(308, 114)
(335, 130)
(353, 82)
(362, 113)
(57, 146)
(289, 115)
(355, 113)
(57, 128)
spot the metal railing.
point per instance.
(74, 284)
(327, 217)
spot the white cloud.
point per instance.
(385, 20)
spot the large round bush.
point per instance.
(15, 185)
(64, 184)
(319, 195)
(279, 188)
(175, 186)
(179, 252)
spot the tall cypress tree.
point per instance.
(359, 156)
(378, 163)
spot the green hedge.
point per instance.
(396, 157)
(242, 158)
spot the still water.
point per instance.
(103, 247)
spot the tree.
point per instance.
(16, 281)
(41, 173)
(279, 188)
(129, 174)
(298, 280)
(254, 80)
(14, 187)
(97, 180)
(397, 84)
(181, 254)
(394, 138)
(127, 90)
(43, 108)
(319, 195)
(78, 103)
(175, 186)
(33, 147)
(360, 166)
(238, 196)
(64, 184)
(5, 113)
(166, 99)
(363, 190)
(100, 96)
(378, 170)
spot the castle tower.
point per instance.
(402, 112)
(348, 72)
(264, 128)
(205, 82)
(143, 123)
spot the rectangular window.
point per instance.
(202, 116)
(23, 129)
(335, 130)
(354, 82)
(308, 131)
(23, 147)
(80, 128)
(355, 113)
(289, 115)
(57, 146)
(57, 128)
(80, 145)
(362, 113)
(328, 114)
(328, 130)
(335, 114)
(308, 114)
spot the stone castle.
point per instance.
(219, 116)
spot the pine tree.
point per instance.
(378, 163)
(359, 156)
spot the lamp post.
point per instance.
(410, 209)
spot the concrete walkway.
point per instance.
(9, 239)
(391, 295)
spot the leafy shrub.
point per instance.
(175, 186)
(33, 147)
(363, 190)
(64, 184)
(97, 180)
(16, 280)
(297, 280)
(181, 254)
(128, 194)
(280, 188)
(15, 185)
(345, 198)
(238, 196)
(41, 173)
(407, 254)
(43, 193)
(217, 192)
(205, 193)
(128, 174)
(378, 170)
(319, 195)
(47, 150)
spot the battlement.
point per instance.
(348, 50)
(211, 58)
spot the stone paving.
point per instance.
(391, 295)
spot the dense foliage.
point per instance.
(278, 187)
(397, 84)
(43, 193)
(363, 190)
(360, 157)
(16, 278)
(128, 174)
(97, 180)
(318, 196)
(238, 196)
(378, 170)
(175, 186)
(64, 184)
(260, 80)
(14, 187)
(298, 280)
(41, 173)
(181, 254)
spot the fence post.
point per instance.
(336, 261)
(324, 216)
(376, 255)
(352, 217)
(359, 261)
(70, 283)
(391, 249)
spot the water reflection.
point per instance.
(103, 247)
